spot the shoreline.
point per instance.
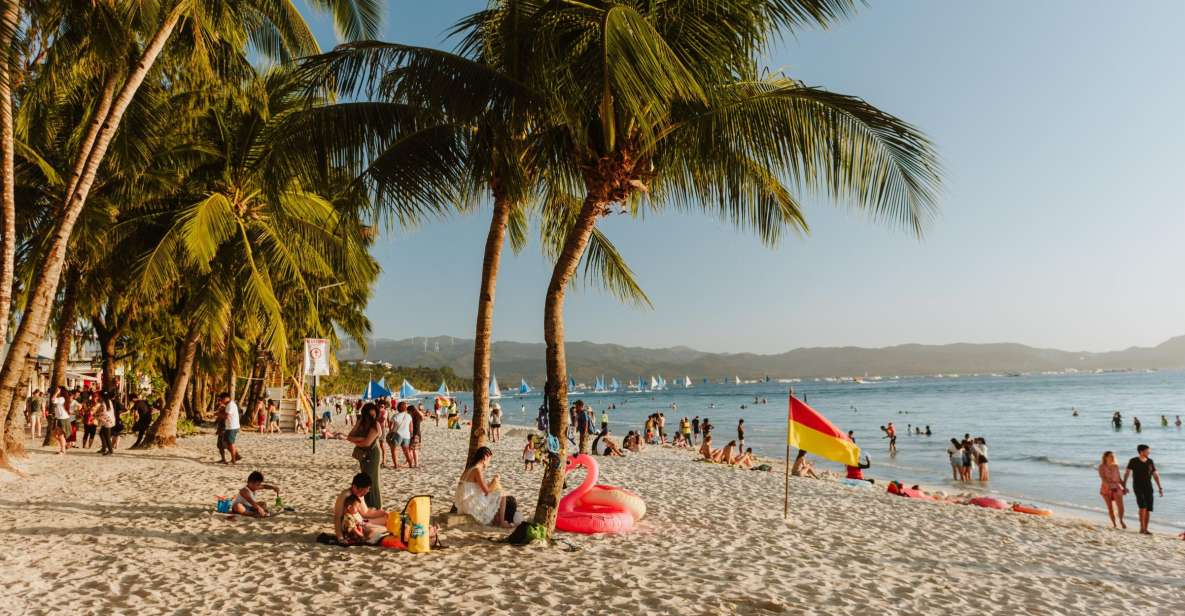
(138, 533)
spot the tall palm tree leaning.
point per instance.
(658, 106)
(449, 128)
(9, 18)
(275, 29)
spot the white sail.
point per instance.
(495, 391)
(687, 381)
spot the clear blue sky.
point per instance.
(1060, 126)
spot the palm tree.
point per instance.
(223, 28)
(662, 106)
(451, 128)
(245, 232)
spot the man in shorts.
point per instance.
(228, 414)
(1142, 471)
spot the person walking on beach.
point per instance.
(1111, 489)
(695, 430)
(740, 434)
(401, 432)
(495, 422)
(105, 418)
(61, 418)
(143, 418)
(1142, 471)
(35, 408)
(229, 414)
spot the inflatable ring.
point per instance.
(617, 499)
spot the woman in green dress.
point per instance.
(365, 437)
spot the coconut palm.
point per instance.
(449, 128)
(242, 233)
(94, 40)
(661, 106)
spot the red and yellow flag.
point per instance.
(808, 429)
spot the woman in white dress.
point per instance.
(480, 499)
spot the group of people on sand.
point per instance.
(1141, 470)
(729, 454)
(968, 453)
(73, 418)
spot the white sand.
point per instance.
(134, 533)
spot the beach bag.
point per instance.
(359, 453)
(222, 504)
(417, 517)
(526, 532)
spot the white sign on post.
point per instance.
(316, 357)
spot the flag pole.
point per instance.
(789, 417)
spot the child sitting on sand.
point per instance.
(355, 530)
(247, 502)
(529, 453)
(745, 460)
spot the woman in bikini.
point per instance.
(1111, 488)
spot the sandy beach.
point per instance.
(136, 532)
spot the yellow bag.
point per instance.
(394, 522)
(418, 518)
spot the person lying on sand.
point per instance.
(802, 467)
(247, 500)
(745, 460)
(374, 518)
(611, 448)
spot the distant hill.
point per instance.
(513, 360)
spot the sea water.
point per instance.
(1038, 451)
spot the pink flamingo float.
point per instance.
(597, 509)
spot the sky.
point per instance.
(1062, 218)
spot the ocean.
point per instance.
(1038, 451)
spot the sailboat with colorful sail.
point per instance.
(523, 388)
(599, 386)
(406, 391)
(614, 386)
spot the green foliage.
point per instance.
(353, 377)
(185, 427)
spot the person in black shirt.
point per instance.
(1142, 471)
(143, 418)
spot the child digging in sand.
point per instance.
(355, 530)
(247, 500)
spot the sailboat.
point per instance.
(599, 387)
(736, 380)
(406, 391)
(641, 384)
(614, 386)
(687, 381)
(495, 391)
(443, 391)
(653, 384)
(662, 383)
(523, 388)
(571, 383)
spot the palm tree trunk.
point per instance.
(67, 317)
(9, 20)
(163, 432)
(103, 126)
(485, 322)
(556, 389)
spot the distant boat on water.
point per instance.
(495, 391)
(614, 386)
(523, 388)
(687, 381)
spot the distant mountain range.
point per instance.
(586, 360)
